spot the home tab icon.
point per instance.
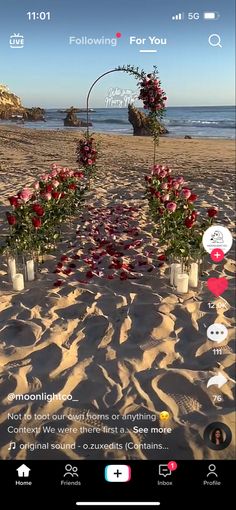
(23, 471)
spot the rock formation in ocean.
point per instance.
(140, 123)
(11, 108)
(34, 114)
(73, 121)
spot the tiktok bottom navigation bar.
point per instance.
(120, 484)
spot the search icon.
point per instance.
(214, 40)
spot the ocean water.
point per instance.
(199, 122)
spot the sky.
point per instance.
(49, 72)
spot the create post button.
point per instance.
(117, 473)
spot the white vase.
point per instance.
(11, 263)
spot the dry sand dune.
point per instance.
(121, 346)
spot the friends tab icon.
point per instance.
(70, 471)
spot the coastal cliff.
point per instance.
(11, 107)
(8, 99)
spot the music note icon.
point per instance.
(12, 445)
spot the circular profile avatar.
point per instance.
(217, 236)
(217, 436)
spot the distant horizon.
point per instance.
(125, 108)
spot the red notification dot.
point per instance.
(118, 34)
(172, 465)
(217, 255)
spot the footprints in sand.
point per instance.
(126, 345)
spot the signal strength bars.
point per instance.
(178, 17)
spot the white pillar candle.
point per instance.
(193, 275)
(18, 282)
(172, 272)
(12, 267)
(30, 270)
(177, 271)
(182, 283)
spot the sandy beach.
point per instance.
(129, 347)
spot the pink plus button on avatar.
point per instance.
(217, 255)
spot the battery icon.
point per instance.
(210, 15)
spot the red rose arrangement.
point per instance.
(87, 152)
(154, 99)
(38, 212)
(151, 93)
(172, 207)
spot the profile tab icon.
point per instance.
(212, 471)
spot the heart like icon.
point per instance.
(217, 285)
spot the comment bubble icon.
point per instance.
(217, 332)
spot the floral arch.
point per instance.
(151, 93)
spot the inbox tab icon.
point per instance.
(117, 473)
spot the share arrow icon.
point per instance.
(217, 380)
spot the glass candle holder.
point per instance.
(176, 267)
(11, 266)
(182, 282)
(193, 274)
(29, 266)
(194, 269)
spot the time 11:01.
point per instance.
(42, 16)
